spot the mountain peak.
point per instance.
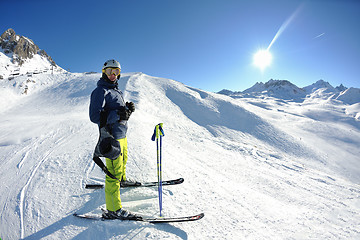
(276, 88)
(273, 82)
(323, 83)
(20, 48)
(8, 34)
(320, 84)
(341, 88)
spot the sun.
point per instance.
(262, 59)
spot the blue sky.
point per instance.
(207, 44)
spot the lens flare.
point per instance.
(263, 57)
(285, 25)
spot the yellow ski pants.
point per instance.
(116, 167)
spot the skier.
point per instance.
(108, 109)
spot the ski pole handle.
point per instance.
(158, 131)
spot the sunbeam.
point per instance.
(284, 26)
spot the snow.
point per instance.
(258, 167)
(350, 96)
(35, 65)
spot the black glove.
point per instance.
(124, 113)
(130, 106)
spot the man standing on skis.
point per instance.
(108, 109)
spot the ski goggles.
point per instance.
(110, 71)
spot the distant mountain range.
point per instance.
(286, 90)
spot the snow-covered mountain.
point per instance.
(284, 89)
(321, 84)
(259, 168)
(19, 55)
(350, 96)
(277, 88)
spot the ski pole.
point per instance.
(160, 176)
(158, 134)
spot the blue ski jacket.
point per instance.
(108, 99)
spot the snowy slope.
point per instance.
(350, 96)
(36, 65)
(259, 168)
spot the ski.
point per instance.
(139, 184)
(174, 219)
(144, 219)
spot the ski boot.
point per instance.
(121, 214)
(129, 183)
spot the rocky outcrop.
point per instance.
(20, 47)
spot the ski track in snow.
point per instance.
(23, 159)
(234, 155)
(22, 194)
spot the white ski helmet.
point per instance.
(111, 64)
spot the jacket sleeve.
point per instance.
(97, 103)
